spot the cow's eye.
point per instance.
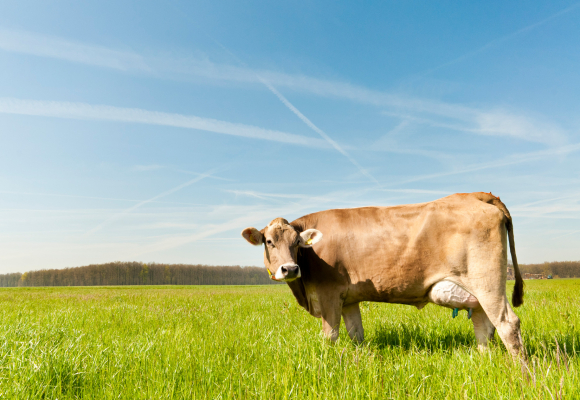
(269, 242)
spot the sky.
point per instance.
(157, 131)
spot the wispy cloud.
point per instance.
(552, 199)
(63, 49)
(567, 234)
(156, 167)
(391, 142)
(144, 168)
(74, 196)
(417, 191)
(262, 195)
(68, 110)
(490, 120)
(183, 171)
(484, 120)
(295, 198)
(63, 195)
(488, 123)
(511, 160)
(567, 206)
(142, 203)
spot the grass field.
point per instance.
(240, 342)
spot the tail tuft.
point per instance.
(518, 294)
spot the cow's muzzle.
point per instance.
(287, 272)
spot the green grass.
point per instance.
(222, 342)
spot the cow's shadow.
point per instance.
(551, 346)
(416, 338)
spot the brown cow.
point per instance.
(451, 251)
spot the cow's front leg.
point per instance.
(330, 310)
(353, 322)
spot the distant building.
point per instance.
(510, 274)
(534, 276)
(511, 277)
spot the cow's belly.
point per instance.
(444, 293)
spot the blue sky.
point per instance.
(151, 131)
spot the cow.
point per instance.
(451, 252)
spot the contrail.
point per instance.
(316, 129)
(304, 119)
(512, 160)
(567, 234)
(130, 209)
(502, 39)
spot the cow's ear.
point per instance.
(309, 237)
(253, 236)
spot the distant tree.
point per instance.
(167, 275)
(24, 279)
(144, 274)
(10, 280)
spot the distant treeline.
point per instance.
(560, 269)
(136, 273)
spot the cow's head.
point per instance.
(281, 242)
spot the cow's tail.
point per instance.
(518, 294)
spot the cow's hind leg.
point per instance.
(484, 329)
(353, 322)
(505, 321)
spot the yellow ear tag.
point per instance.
(309, 241)
(251, 239)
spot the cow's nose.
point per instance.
(290, 271)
